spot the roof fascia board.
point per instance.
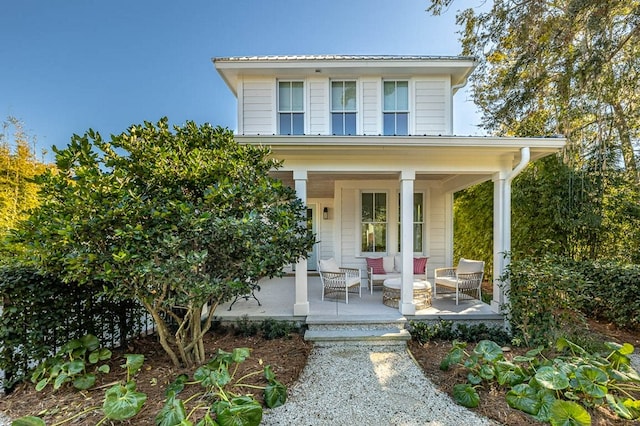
(308, 141)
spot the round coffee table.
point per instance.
(421, 292)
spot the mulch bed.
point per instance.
(287, 358)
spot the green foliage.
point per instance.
(18, 167)
(473, 225)
(423, 332)
(41, 313)
(544, 299)
(273, 329)
(224, 406)
(609, 292)
(178, 219)
(550, 296)
(537, 77)
(554, 390)
(546, 209)
(245, 327)
(269, 328)
(121, 401)
(70, 364)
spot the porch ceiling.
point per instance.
(321, 185)
(452, 162)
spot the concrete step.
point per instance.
(357, 330)
(355, 322)
(388, 336)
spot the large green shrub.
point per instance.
(178, 218)
(40, 313)
(544, 299)
(551, 296)
(611, 292)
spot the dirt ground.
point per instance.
(287, 358)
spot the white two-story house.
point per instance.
(367, 142)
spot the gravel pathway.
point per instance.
(367, 385)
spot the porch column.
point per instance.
(407, 306)
(301, 306)
(502, 225)
(499, 228)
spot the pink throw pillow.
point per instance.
(419, 265)
(376, 264)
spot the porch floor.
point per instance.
(277, 297)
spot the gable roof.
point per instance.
(297, 66)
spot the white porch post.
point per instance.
(301, 306)
(502, 227)
(407, 306)
(499, 228)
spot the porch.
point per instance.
(277, 298)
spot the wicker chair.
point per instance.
(465, 279)
(339, 280)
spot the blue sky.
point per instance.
(70, 65)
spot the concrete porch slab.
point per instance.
(277, 299)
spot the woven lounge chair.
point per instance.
(465, 279)
(337, 280)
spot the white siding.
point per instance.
(257, 109)
(318, 107)
(325, 247)
(370, 110)
(430, 115)
(348, 229)
(430, 112)
(436, 231)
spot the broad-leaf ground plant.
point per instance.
(556, 390)
(121, 400)
(220, 402)
(180, 219)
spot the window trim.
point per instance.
(396, 111)
(291, 112)
(343, 111)
(361, 222)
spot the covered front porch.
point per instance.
(277, 298)
(400, 191)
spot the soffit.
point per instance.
(382, 151)
(231, 69)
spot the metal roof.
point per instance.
(277, 58)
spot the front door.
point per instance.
(312, 259)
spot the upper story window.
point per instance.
(343, 107)
(373, 222)
(291, 107)
(396, 108)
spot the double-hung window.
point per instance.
(373, 222)
(343, 107)
(291, 107)
(418, 223)
(395, 109)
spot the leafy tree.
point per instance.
(568, 67)
(18, 166)
(180, 220)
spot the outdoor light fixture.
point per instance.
(325, 213)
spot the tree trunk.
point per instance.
(626, 145)
(163, 332)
